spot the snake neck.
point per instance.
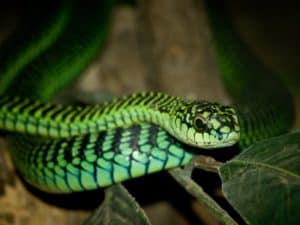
(263, 121)
(37, 118)
(153, 107)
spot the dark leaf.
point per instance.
(118, 208)
(263, 182)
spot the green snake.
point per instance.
(62, 149)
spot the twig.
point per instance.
(194, 189)
(206, 163)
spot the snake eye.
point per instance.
(199, 123)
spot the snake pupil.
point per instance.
(199, 124)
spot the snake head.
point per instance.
(206, 125)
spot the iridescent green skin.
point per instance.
(72, 155)
(90, 161)
(198, 123)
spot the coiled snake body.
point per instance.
(78, 149)
(73, 148)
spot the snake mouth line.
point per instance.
(212, 144)
(218, 145)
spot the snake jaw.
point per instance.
(215, 142)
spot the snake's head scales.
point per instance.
(206, 125)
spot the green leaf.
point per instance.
(118, 208)
(263, 182)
